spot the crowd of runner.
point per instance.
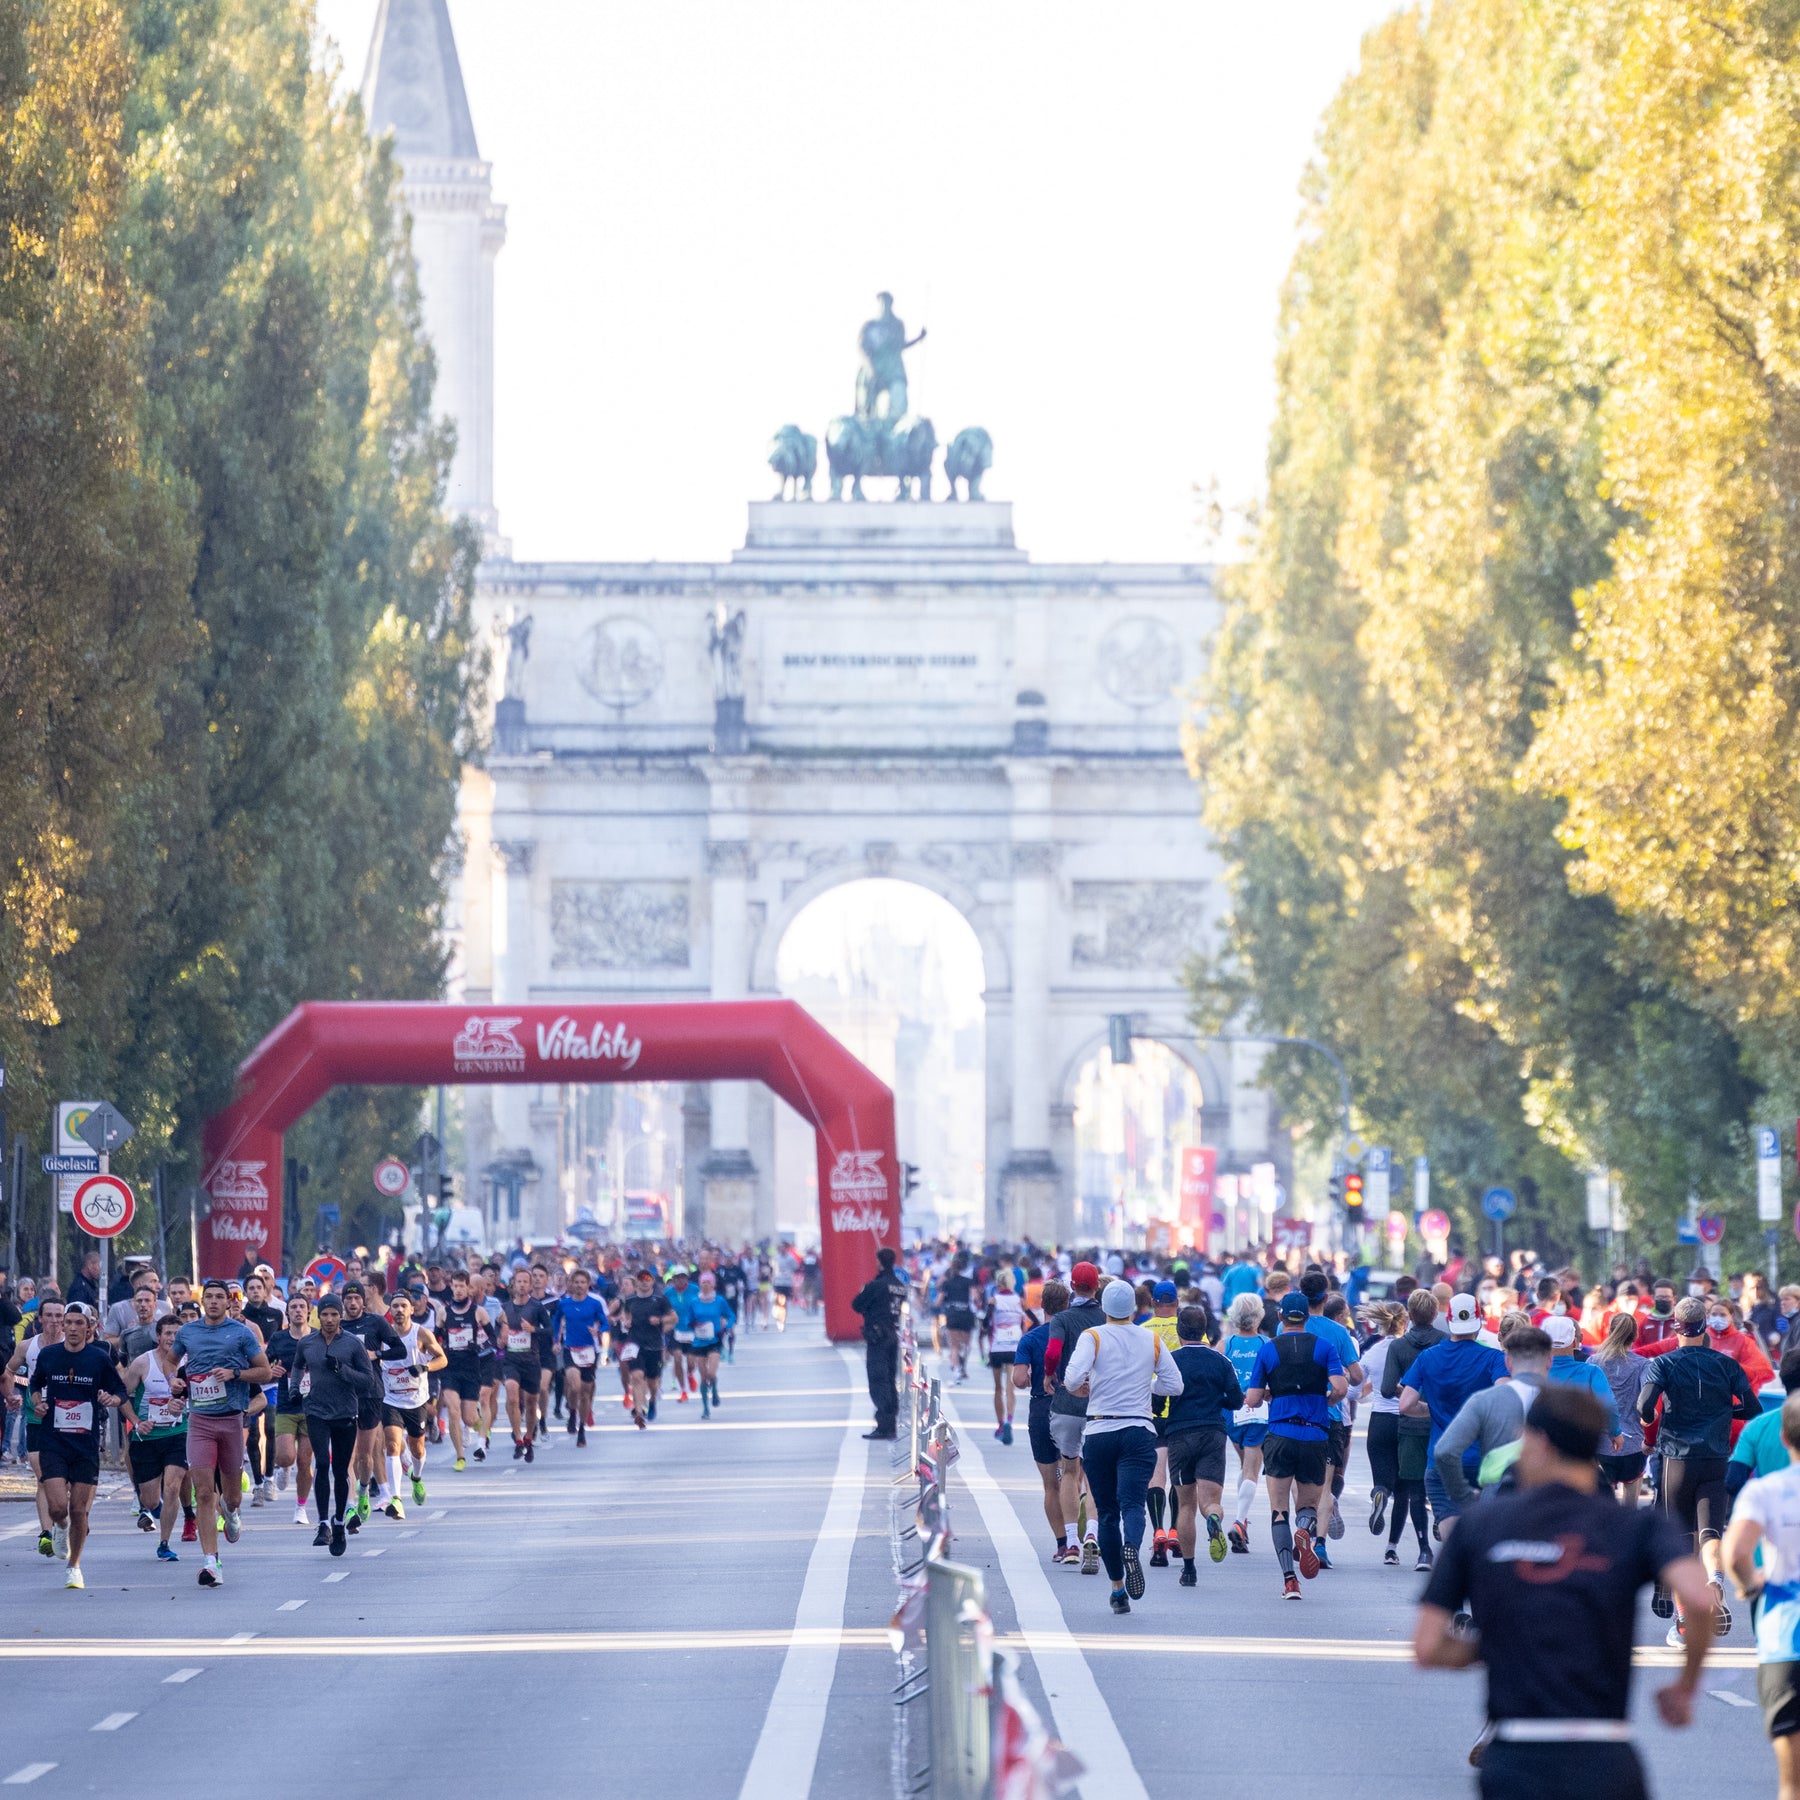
(250, 1392)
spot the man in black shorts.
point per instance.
(644, 1315)
(1195, 1436)
(521, 1320)
(1702, 1391)
(1299, 1375)
(76, 1379)
(1552, 1571)
(464, 1333)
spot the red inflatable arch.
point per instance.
(323, 1045)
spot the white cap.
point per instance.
(1117, 1300)
(1465, 1315)
(1559, 1331)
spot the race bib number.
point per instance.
(462, 1337)
(306, 1384)
(207, 1390)
(160, 1414)
(703, 1333)
(684, 1337)
(628, 1352)
(518, 1342)
(73, 1416)
(582, 1358)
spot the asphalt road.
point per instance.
(710, 1600)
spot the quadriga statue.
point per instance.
(970, 456)
(794, 456)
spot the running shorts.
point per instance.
(1001, 1359)
(290, 1425)
(151, 1456)
(1197, 1455)
(410, 1419)
(1289, 1459)
(59, 1460)
(368, 1414)
(434, 1384)
(1037, 1428)
(1248, 1436)
(1693, 1489)
(1067, 1431)
(959, 1318)
(465, 1384)
(216, 1441)
(1337, 1444)
(1778, 1688)
(1411, 1453)
(1623, 1468)
(34, 1437)
(525, 1370)
(648, 1363)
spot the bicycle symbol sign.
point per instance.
(104, 1205)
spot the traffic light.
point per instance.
(1118, 1037)
(909, 1180)
(1334, 1188)
(446, 1189)
(1353, 1194)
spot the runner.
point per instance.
(293, 1451)
(378, 1338)
(1028, 1373)
(643, 1318)
(1317, 1288)
(1438, 1382)
(465, 1331)
(956, 1295)
(544, 1344)
(1117, 1369)
(713, 1321)
(1622, 1469)
(579, 1321)
(1553, 1571)
(334, 1379)
(521, 1318)
(1005, 1325)
(1194, 1441)
(49, 1317)
(732, 1286)
(1762, 1555)
(405, 1385)
(1068, 1412)
(680, 1296)
(222, 1359)
(158, 1447)
(1386, 1319)
(1299, 1375)
(1249, 1425)
(77, 1378)
(1164, 1299)
(1703, 1393)
(783, 1279)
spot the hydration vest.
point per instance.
(1297, 1369)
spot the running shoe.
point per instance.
(1721, 1612)
(209, 1573)
(418, 1490)
(394, 1510)
(998, 1431)
(300, 1517)
(1335, 1529)
(1323, 1555)
(1065, 1553)
(481, 1452)
(518, 1449)
(73, 1579)
(1377, 1511)
(706, 1407)
(1006, 1431)
(1134, 1571)
(1662, 1602)
(363, 1505)
(650, 1412)
(234, 1528)
(190, 1530)
(1304, 1553)
(1159, 1552)
(1290, 1587)
(165, 1554)
(1090, 1557)
(144, 1521)
(581, 1438)
(589, 1420)
(322, 1536)
(340, 1528)
(1215, 1538)
(1190, 1576)
(1423, 1565)
(352, 1522)
(569, 1424)
(530, 1450)
(281, 1476)
(681, 1399)
(1676, 1640)
(637, 1418)
(625, 1401)
(715, 1389)
(258, 1497)
(1120, 1603)
(1239, 1538)
(1391, 1557)
(59, 1541)
(46, 1544)
(461, 1464)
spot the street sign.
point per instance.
(426, 1150)
(327, 1271)
(71, 1165)
(1499, 1203)
(391, 1177)
(1377, 1176)
(1421, 1184)
(1434, 1224)
(1354, 1149)
(105, 1129)
(1711, 1229)
(328, 1215)
(1768, 1173)
(71, 1115)
(104, 1206)
(1398, 1225)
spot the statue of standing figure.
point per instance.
(725, 645)
(882, 377)
(513, 630)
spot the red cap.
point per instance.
(1084, 1275)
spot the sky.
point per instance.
(1091, 211)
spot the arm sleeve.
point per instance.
(1652, 1388)
(1053, 1348)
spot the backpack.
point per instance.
(1297, 1370)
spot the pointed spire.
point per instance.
(413, 84)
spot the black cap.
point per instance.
(330, 1303)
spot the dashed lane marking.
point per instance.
(180, 1676)
(290, 1606)
(25, 1776)
(113, 1721)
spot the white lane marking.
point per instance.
(20, 1531)
(1729, 1697)
(410, 1531)
(290, 1606)
(433, 1517)
(113, 1721)
(180, 1676)
(240, 1637)
(375, 1553)
(341, 1575)
(1083, 1719)
(787, 1747)
(30, 1773)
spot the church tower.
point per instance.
(413, 87)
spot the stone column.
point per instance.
(510, 913)
(728, 1176)
(1029, 1181)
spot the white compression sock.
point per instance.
(1245, 1498)
(393, 1469)
(416, 1464)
